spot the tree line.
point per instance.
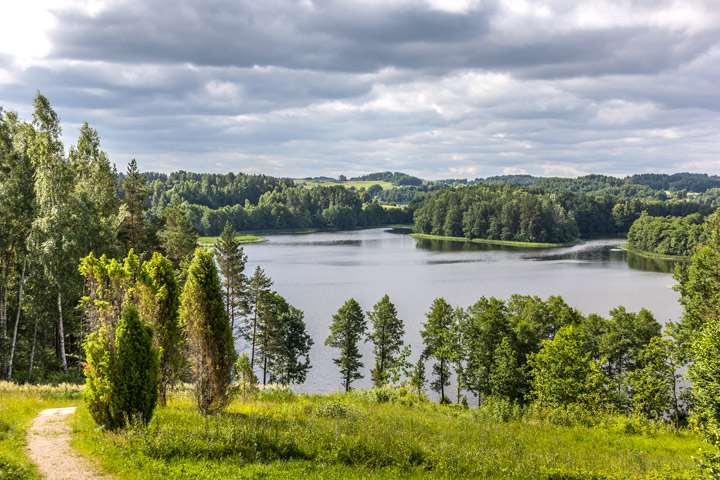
(524, 351)
(496, 212)
(679, 236)
(259, 202)
(530, 214)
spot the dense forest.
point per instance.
(259, 202)
(509, 212)
(677, 236)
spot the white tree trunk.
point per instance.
(32, 351)
(17, 319)
(61, 333)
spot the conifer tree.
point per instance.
(231, 261)
(210, 340)
(159, 304)
(386, 334)
(178, 237)
(291, 361)
(122, 374)
(347, 329)
(258, 300)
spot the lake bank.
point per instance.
(502, 243)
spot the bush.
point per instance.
(122, 376)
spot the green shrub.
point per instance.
(122, 379)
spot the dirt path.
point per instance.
(49, 447)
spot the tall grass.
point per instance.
(381, 434)
(19, 404)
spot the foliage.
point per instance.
(122, 380)
(159, 305)
(496, 213)
(209, 337)
(386, 334)
(563, 373)
(439, 340)
(178, 238)
(290, 360)
(231, 263)
(245, 375)
(347, 329)
(679, 236)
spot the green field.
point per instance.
(242, 239)
(489, 242)
(381, 434)
(347, 184)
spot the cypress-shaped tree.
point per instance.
(122, 375)
(159, 303)
(209, 336)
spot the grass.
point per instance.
(505, 243)
(378, 434)
(660, 256)
(240, 238)
(19, 404)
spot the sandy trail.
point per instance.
(49, 447)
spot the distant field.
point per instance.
(241, 239)
(489, 242)
(350, 183)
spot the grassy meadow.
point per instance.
(19, 404)
(241, 238)
(383, 434)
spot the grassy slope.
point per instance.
(242, 239)
(18, 406)
(357, 436)
(489, 242)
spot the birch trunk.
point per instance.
(17, 319)
(61, 333)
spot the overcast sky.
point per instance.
(435, 88)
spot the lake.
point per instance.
(318, 272)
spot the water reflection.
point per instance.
(597, 251)
(649, 264)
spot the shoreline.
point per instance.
(504, 243)
(643, 253)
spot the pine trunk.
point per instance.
(61, 334)
(17, 319)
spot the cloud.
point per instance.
(436, 89)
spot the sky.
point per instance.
(433, 88)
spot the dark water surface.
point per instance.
(318, 272)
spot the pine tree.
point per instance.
(178, 238)
(231, 261)
(210, 339)
(258, 296)
(347, 329)
(387, 337)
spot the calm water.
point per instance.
(318, 272)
